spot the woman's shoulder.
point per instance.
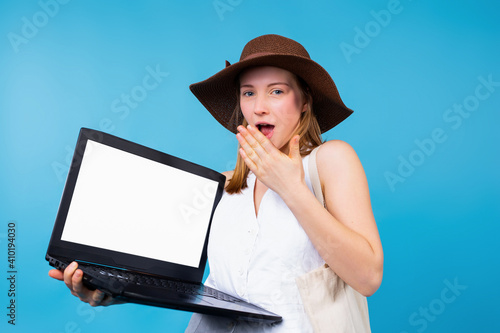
(229, 175)
(335, 151)
(336, 157)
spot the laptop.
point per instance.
(137, 221)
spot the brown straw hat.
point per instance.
(218, 92)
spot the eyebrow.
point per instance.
(269, 85)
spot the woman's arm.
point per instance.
(345, 233)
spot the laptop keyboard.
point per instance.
(142, 279)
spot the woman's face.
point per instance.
(271, 100)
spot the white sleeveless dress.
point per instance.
(257, 258)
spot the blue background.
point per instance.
(66, 66)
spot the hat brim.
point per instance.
(218, 92)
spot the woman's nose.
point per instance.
(260, 106)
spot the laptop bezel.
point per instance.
(68, 250)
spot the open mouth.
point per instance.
(266, 129)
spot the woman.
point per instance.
(269, 229)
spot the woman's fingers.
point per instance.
(72, 277)
(271, 166)
(56, 274)
(96, 298)
(249, 146)
(68, 274)
(260, 139)
(255, 144)
(77, 284)
(248, 161)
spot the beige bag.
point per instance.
(331, 305)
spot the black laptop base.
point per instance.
(193, 297)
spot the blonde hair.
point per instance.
(308, 130)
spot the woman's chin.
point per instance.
(284, 148)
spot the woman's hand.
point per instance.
(280, 172)
(72, 277)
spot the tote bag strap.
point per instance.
(314, 176)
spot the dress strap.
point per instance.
(314, 176)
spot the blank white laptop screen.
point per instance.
(126, 203)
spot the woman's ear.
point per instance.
(306, 103)
(307, 99)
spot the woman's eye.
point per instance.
(247, 93)
(277, 92)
